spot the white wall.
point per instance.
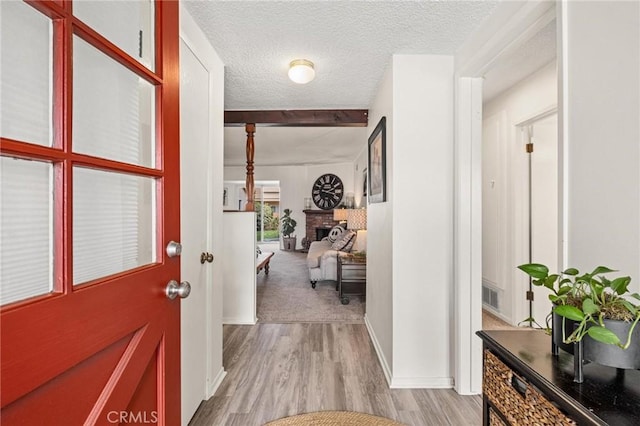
(360, 166)
(295, 185)
(410, 237)
(530, 96)
(232, 195)
(598, 114)
(494, 182)
(236, 195)
(505, 205)
(422, 219)
(503, 32)
(213, 317)
(215, 369)
(239, 265)
(379, 315)
(601, 114)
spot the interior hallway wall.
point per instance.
(505, 187)
(601, 114)
(410, 236)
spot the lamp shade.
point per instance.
(357, 219)
(301, 71)
(340, 215)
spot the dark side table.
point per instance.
(524, 384)
(352, 277)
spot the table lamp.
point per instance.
(340, 215)
(357, 221)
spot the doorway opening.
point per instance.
(520, 178)
(482, 56)
(266, 196)
(267, 206)
(539, 136)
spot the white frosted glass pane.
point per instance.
(129, 24)
(113, 223)
(113, 109)
(25, 74)
(26, 229)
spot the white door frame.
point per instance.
(522, 246)
(195, 227)
(196, 41)
(509, 27)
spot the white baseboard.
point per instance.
(376, 345)
(405, 382)
(239, 321)
(215, 383)
(498, 314)
(421, 383)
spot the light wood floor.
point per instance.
(492, 322)
(278, 370)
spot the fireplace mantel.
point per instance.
(308, 212)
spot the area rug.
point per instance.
(285, 295)
(334, 418)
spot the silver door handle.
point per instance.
(174, 249)
(174, 289)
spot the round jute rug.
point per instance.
(334, 418)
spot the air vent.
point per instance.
(490, 297)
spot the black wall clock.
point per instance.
(327, 191)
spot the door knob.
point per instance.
(174, 289)
(206, 257)
(174, 249)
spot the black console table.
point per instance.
(521, 375)
(352, 277)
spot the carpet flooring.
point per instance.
(285, 295)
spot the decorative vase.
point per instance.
(612, 355)
(557, 334)
(289, 243)
(590, 350)
(349, 200)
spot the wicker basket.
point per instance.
(494, 419)
(524, 406)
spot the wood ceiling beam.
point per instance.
(299, 118)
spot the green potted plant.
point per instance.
(594, 311)
(288, 228)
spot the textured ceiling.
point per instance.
(350, 42)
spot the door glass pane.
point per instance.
(113, 109)
(26, 229)
(127, 24)
(25, 74)
(113, 223)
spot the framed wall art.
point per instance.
(378, 163)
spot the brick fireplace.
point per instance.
(318, 222)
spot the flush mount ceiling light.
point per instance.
(301, 71)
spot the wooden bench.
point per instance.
(262, 262)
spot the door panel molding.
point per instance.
(119, 336)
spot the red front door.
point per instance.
(95, 340)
